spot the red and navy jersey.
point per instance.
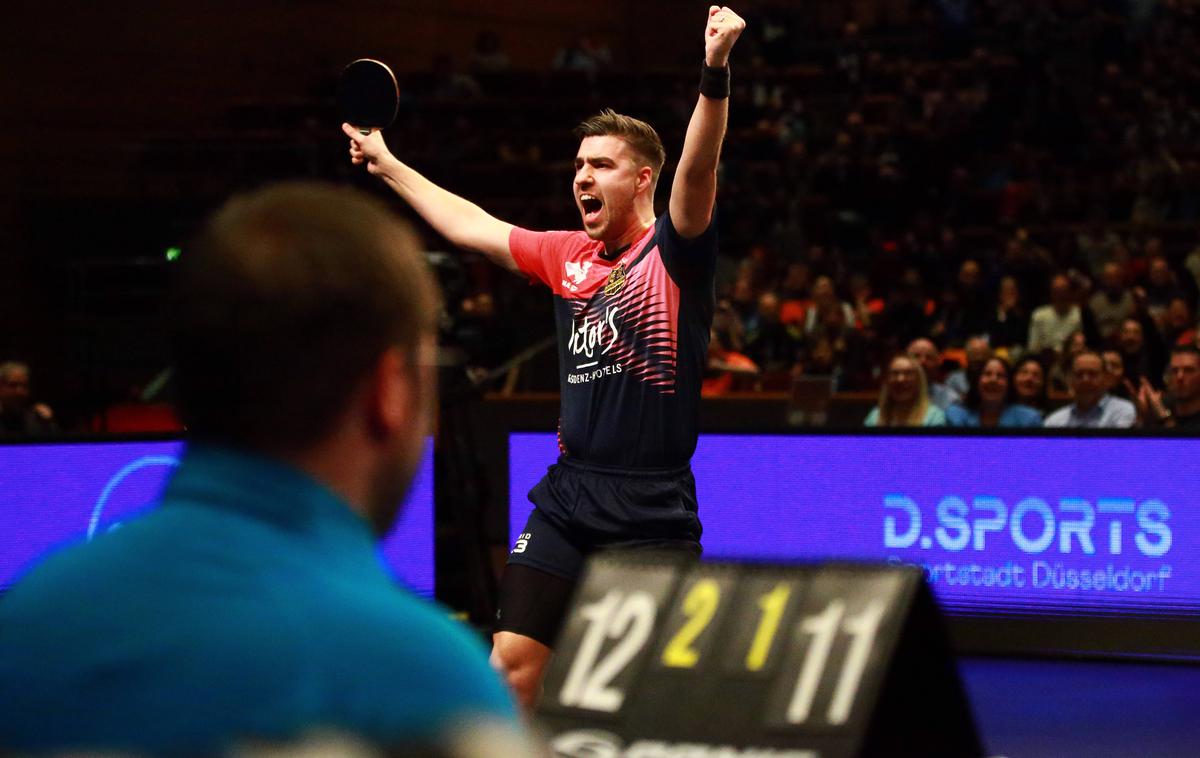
(632, 340)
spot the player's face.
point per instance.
(606, 182)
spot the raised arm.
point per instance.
(459, 220)
(695, 187)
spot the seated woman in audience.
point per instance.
(990, 400)
(904, 400)
(1029, 384)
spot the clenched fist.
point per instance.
(724, 27)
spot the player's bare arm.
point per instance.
(457, 219)
(695, 187)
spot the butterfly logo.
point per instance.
(578, 271)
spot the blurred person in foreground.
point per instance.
(1093, 407)
(904, 400)
(251, 604)
(991, 400)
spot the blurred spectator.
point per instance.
(923, 351)
(794, 292)
(967, 307)
(1161, 288)
(1192, 264)
(728, 327)
(991, 400)
(1179, 326)
(1051, 324)
(1142, 350)
(744, 299)
(824, 301)
(1092, 406)
(584, 53)
(903, 400)
(1113, 302)
(906, 313)
(451, 84)
(1060, 370)
(19, 415)
(725, 366)
(1115, 382)
(1098, 245)
(977, 351)
(850, 54)
(1180, 408)
(770, 343)
(1029, 384)
(1030, 264)
(1009, 326)
(488, 56)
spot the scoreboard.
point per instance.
(662, 657)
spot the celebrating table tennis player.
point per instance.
(634, 301)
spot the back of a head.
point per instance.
(283, 306)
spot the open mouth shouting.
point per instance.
(591, 206)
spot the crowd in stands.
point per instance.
(1011, 179)
(989, 192)
(1024, 208)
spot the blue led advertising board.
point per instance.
(1007, 525)
(58, 493)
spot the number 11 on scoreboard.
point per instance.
(823, 627)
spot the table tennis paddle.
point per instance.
(367, 95)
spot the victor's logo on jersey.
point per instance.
(578, 271)
(589, 335)
(615, 281)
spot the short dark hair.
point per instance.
(1186, 350)
(1089, 352)
(639, 135)
(286, 301)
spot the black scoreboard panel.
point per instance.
(661, 656)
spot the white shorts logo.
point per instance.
(522, 543)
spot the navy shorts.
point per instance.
(584, 507)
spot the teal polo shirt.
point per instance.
(251, 604)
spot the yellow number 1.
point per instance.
(772, 604)
(699, 606)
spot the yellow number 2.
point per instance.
(772, 605)
(699, 606)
